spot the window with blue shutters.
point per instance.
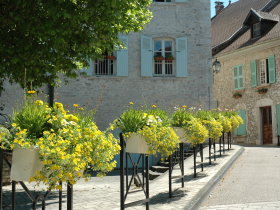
(263, 71)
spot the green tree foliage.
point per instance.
(62, 35)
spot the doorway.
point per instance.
(266, 124)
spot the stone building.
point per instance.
(246, 41)
(180, 28)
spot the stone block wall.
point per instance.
(251, 101)
(171, 20)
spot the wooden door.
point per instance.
(267, 125)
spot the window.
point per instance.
(256, 29)
(163, 48)
(104, 67)
(263, 71)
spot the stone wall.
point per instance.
(171, 20)
(251, 101)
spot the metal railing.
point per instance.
(104, 67)
(164, 68)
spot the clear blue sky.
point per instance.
(213, 12)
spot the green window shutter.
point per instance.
(180, 0)
(278, 118)
(254, 73)
(122, 58)
(242, 128)
(182, 57)
(88, 70)
(235, 78)
(241, 79)
(271, 68)
(146, 56)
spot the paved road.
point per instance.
(254, 180)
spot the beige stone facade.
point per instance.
(171, 20)
(251, 100)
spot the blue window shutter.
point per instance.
(180, 0)
(271, 68)
(242, 128)
(88, 71)
(235, 78)
(182, 57)
(146, 56)
(278, 118)
(122, 58)
(254, 73)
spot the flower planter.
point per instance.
(262, 92)
(169, 59)
(136, 144)
(111, 57)
(25, 164)
(159, 58)
(180, 132)
(237, 96)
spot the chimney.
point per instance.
(219, 6)
(229, 1)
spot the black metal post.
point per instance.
(182, 162)
(1, 175)
(69, 196)
(51, 95)
(278, 141)
(214, 145)
(122, 170)
(170, 174)
(230, 139)
(210, 151)
(13, 195)
(220, 141)
(143, 169)
(201, 156)
(126, 167)
(224, 143)
(60, 197)
(147, 183)
(194, 159)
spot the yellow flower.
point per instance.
(49, 162)
(184, 106)
(75, 105)
(14, 125)
(44, 162)
(154, 106)
(131, 103)
(39, 102)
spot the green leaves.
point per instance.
(55, 35)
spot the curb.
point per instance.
(204, 192)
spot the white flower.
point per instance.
(73, 123)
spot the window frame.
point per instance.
(259, 30)
(164, 62)
(110, 62)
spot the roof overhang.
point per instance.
(257, 16)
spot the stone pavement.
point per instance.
(248, 206)
(104, 193)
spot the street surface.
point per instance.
(252, 183)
